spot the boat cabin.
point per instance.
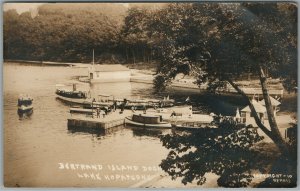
(109, 73)
(24, 101)
(146, 119)
(71, 94)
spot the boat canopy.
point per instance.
(146, 119)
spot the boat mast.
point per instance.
(93, 57)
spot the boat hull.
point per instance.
(163, 125)
(137, 105)
(24, 109)
(82, 111)
(86, 102)
(25, 112)
(190, 128)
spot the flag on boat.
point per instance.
(187, 99)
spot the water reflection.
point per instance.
(119, 90)
(64, 102)
(25, 115)
(94, 131)
(140, 132)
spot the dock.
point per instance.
(104, 124)
(85, 102)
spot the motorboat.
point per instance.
(146, 120)
(25, 104)
(75, 94)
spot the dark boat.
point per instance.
(71, 93)
(25, 104)
(84, 98)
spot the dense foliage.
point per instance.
(226, 151)
(63, 32)
(181, 36)
(234, 153)
(218, 47)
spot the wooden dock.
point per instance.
(104, 124)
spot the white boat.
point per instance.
(150, 121)
(192, 121)
(193, 126)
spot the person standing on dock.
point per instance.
(98, 112)
(115, 106)
(123, 106)
(102, 112)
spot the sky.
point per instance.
(23, 7)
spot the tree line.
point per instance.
(69, 32)
(66, 32)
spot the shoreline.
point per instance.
(48, 63)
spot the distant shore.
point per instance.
(48, 63)
(144, 73)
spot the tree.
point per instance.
(63, 32)
(227, 151)
(218, 43)
(135, 33)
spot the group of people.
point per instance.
(105, 110)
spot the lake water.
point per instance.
(38, 149)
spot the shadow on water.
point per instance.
(94, 131)
(206, 102)
(65, 103)
(140, 132)
(25, 115)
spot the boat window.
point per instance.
(243, 114)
